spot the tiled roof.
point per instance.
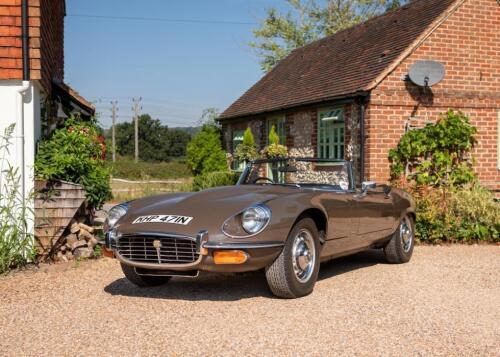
(342, 64)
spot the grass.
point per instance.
(126, 168)
(126, 191)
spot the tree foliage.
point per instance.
(307, 21)
(205, 153)
(157, 142)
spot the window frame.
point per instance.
(326, 149)
(279, 122)
(236, 164)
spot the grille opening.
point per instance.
(158, 250)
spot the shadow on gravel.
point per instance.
(233, 287)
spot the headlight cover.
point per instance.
(115, 214)
(248, 222)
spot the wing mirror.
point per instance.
(366, 185)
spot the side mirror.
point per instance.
(367, 185)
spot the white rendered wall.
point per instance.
(12, 112)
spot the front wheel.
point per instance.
(400, 248)
(295, 271)
(143, 280)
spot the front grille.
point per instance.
(171, 250)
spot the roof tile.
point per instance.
(341, 64)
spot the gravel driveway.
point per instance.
(446, 301)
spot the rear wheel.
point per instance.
(295, 271)
(143, 280)
(400, 248)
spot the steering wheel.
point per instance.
(263, 178)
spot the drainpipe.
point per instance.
(22, 91)
(362, 102)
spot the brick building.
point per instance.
(348, 95)
(33, 95)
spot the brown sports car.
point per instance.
(284, 215)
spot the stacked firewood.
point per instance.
(79, 241)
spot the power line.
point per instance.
(161, 19)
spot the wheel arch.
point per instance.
(318, 216)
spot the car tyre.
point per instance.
(399, 249)
(294, 273)
(143, 280)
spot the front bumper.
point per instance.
(260, 255)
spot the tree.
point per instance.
(204, 152)
(307, 21)
(156, 141)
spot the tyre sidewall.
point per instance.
(297, 287)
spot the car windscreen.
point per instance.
(312, 173)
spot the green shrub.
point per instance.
(204, 152)
(438, 154)
(127, 168)
(75, 153)
(16, 242)
(214, 179)
(274, 149)
(467, 214)
(247, 150)
(435, 164)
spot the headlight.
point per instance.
(115, 214)
(255, 218)
(248, 222)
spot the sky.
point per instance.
(196, 60)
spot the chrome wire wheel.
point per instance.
(406, 234)
(303, 255)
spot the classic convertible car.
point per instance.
(284, 216)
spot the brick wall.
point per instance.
(46, 32)
(468, 44)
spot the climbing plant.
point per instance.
(438, 154)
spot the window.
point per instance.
(331, 127)
(279, 126)
(237, 140)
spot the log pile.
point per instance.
(79, 240)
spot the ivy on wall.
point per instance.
(438, 154)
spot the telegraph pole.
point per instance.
(136, 108)
(114, 109)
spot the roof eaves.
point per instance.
(410, 49)
(358, 93)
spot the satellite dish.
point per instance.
(426, 73)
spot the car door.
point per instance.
(376, 214)
(342, 223)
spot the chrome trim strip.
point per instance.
(201, 239)
(157, 266)
(156, 234)
(166, 266)
(262, 204)
(243, 245)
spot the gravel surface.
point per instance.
(445, 302)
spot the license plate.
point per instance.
(165, 218)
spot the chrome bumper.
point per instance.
(202, 248)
